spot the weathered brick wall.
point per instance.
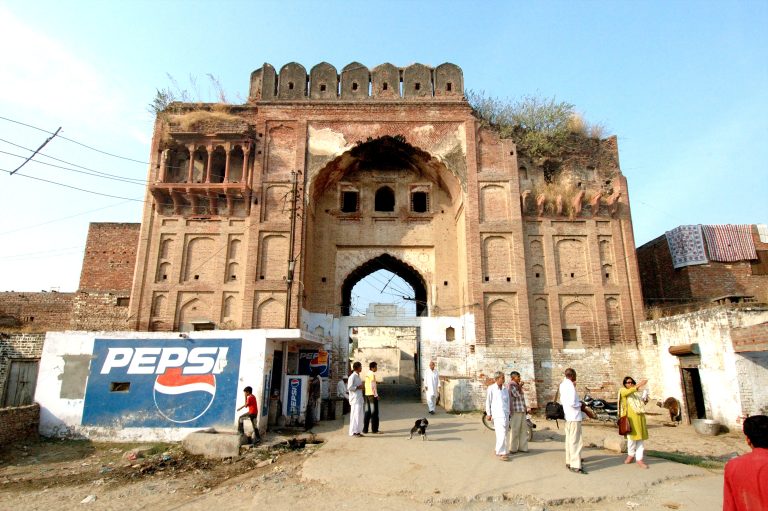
(35, 312)
(19, 423)
(750, 369)
(661, 282)
(100, 311)
(110, 257)
(105, 281)
(27, 346)
(750, 338)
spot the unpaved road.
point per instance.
(454, 470)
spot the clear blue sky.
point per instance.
(684, 86)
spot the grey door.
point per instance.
(22, 378)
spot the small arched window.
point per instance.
(385, 199)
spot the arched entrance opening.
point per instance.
(386, 262)
(383, 287)
(385, 333)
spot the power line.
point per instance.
(41, 252)
(61, 219)
(75, 141)
(98, 174)
(142, 181)
(74, 187)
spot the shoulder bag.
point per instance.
(554, 410)
(625, 427)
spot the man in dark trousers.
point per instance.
(252, 414)
(313, 398)
(371, 400)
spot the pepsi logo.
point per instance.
(182, 398)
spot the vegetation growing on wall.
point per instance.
(187, 111)
(541, 127)
(562, 157)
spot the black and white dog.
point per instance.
(421, 426)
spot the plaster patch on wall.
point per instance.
(424, 131)
(326, 142)
(450, 143)
(74, 376)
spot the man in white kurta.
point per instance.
(355, 388)
(431, 386)
(569, 398)
(497, 409)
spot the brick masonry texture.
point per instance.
(102, 301)
(19, 423)
(110, 257)
(35, 312)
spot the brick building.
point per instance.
(735, 281)
(707, 341)
(266, 214)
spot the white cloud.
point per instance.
(43, 76)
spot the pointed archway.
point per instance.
(396, 266)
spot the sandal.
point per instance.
(503, 457)
(641, 464)
(629, 460)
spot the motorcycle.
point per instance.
(528, 422)
(606, 411)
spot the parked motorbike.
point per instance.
(606, 411)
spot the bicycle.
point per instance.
(528, 422)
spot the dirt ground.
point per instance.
(67, 474)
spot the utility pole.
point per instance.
(291, 249)
(37, 150)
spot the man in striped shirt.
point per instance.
(518, 428)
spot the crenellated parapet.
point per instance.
(356, 82)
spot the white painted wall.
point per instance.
(61, 417)
(721, 381)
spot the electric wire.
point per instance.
(106, 174)
(74, 141)
(28, 227)
(73, 187)
(100, 175)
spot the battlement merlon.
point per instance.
(356, 82)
